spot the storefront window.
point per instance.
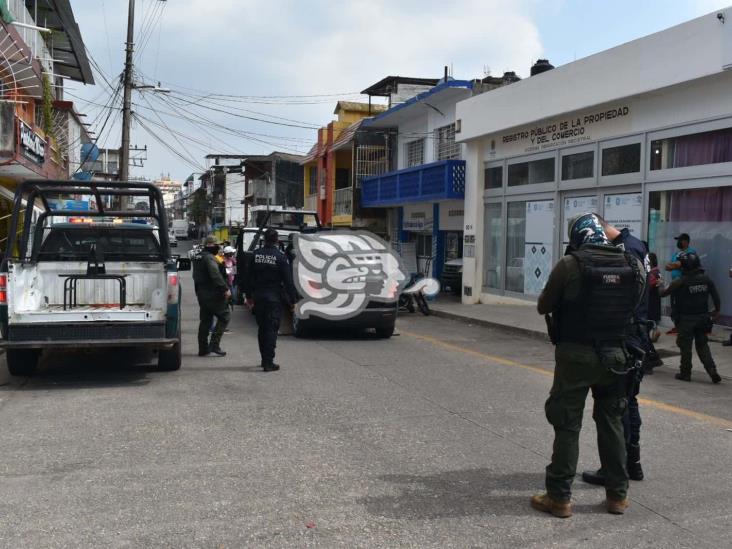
(529, 173)
(313, 180)
(624, 211)
(493, 245)
(578, 166)
(573, 207)
(529, 245)
(692, 150)
(706, 215)
(494, 177)
(620, 160)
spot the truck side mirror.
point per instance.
(184, 264)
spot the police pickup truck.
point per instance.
(89, 278)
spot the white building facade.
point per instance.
(641, 134)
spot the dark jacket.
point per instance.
(268, 275)
(639, 250)
(692, 292)
(207, 276)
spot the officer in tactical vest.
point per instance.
(268, 275)
(638, 338)
(591, 294)
(213, 296)
(692, 292)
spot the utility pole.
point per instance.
(124, 162)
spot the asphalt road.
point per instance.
(435, 438)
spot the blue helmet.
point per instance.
(586, 229)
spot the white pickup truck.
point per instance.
(90, 281)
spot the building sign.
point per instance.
(580, 128)
(624, 210)
(418, 217)
(31, 144)
(451, 215)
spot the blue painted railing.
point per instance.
(441, 180)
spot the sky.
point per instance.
(277, 67)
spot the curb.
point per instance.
(534, 334)
(542, 336)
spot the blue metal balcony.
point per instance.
(443, 180)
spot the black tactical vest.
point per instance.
(602, 311)
(693, 296)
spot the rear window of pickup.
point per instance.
(110, 245)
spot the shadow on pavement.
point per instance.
(462, 493)
(81, 370)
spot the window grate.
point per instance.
(445, 146)
(415, 153)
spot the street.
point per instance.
(435, 438)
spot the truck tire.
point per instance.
(385, 332)
(22, 362)
(170, 360)
(299, 328)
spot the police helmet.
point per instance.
(689, 261)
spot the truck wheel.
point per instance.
(299, 329)
(22, 362)
(385, 332)
(170, 360)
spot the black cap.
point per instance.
(683, 236)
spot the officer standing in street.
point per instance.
(213, 296)
(268, 275)
(692, 292)
(637, 337)
(591, 294)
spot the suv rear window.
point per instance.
(111, 245)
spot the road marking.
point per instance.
(657, 404)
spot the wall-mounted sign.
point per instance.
(573, 130)
(31, 144)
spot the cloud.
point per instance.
(293, 47)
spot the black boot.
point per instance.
(594, 477)
(215, 349)
(203, 348)
(269, 366)
(716, 378)
(635, 471)
(681, 376)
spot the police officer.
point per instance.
(592, 293)
(692, 292)
(213, 296)
(638, 337)
(268, 275)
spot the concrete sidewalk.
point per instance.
(520, 316)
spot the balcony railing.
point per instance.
(343, 201)
(33, 38)
(311, 202)
(442, 180)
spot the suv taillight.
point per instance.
(173, 288)
(3, 289)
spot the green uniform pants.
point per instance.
(692, 329)
(212, 306)
(579, 369)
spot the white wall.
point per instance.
(234, 195)
(695, 49)
(424, 121)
